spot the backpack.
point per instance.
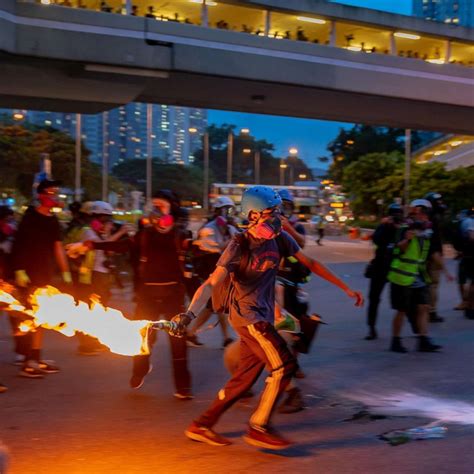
(222, 293)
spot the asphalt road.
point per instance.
(85, 420)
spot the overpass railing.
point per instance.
(227, 15)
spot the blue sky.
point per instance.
(309, 136)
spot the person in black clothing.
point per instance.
(384, 238)
(161, 291)
(36, 251)
(7, 231)
(435, 264)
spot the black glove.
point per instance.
(181, 321)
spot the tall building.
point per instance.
(121, 134)
(457, 12)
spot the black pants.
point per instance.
(157, 302)
(260, 346)
(377, 284)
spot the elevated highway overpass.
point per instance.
(80, 60)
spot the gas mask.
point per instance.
(96, 225)
(269, 228)
(49, 198)
(221, 221)
(162, 222)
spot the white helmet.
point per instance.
(102, 207)
(87, 207)
(222, 201)
(421, 203)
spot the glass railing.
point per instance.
(288, 26)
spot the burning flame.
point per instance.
(58, 311)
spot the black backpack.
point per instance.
(222, 293)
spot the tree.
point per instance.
(243, 169)
(381, 176)
(360, 140)
(362, 180)
(21, 148)
(186, 181)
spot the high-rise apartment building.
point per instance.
(457, 12)
(121, 134)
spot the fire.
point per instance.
(58, 311)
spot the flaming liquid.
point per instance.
(58, 311)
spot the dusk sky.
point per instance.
(309, 136)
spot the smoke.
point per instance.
(420, 405)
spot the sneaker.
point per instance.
(137, 380)
(397, 346)
(31, 370)
(193, 341)
(293, 402)
(48, 367)
(19, 360)
(184, 395)
(3, 388)
(372, 334)
(435, 318)
(425, 345)
(227, 341)
(461, 306)
(265, 438)
(205, 435)
(299, 374)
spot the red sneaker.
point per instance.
(205, 435)
(266, 438)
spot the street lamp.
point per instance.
(244, 131)
(205, 149)
(78, 156)
(293, 151)
(283, 167)
(18, 116)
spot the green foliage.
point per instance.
(362, 180)
(20, 155)
(186, 181)
(361, 140)
(380, 176)
(243, 169)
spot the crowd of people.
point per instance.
(172, 270)
(409, 256)
(251, 278)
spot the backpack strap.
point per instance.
(281, 245)
(244, 243)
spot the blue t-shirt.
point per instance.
(253, 297)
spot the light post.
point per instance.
(257, 166)
(77, 181)
(149, 152)
(407, 168)
(205, 150)
(105, 157)
(293, 154)
(230, 154)
(283, 167)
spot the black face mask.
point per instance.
(397, 218)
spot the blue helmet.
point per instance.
(286, 195)
(259, 198)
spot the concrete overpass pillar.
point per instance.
(204, 14)
(267, 21)
(393, 44)
(127, 6)
(332, 33)
(447, 55)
